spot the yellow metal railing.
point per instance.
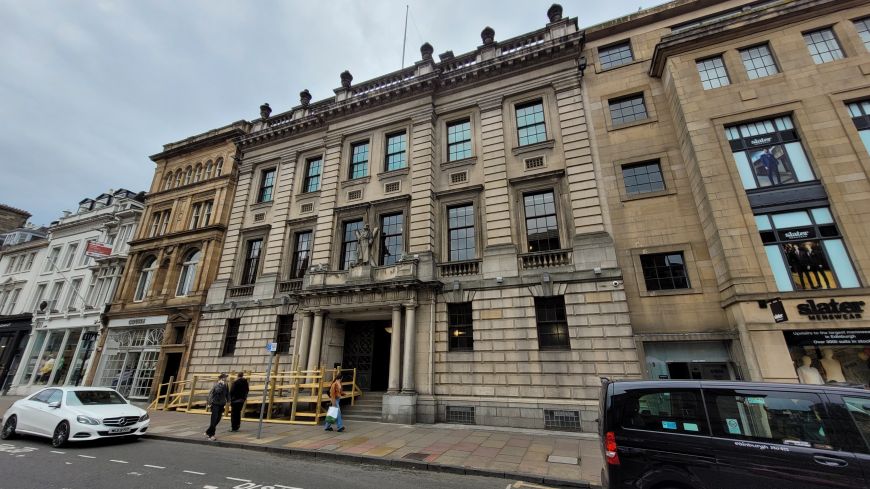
(294, 397)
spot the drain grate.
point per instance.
(417, 456)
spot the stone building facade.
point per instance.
(72, 277)
(441, 230)
(173, 258)
(732, 144)
(11, 218)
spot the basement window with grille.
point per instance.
(460, 414)
(555, 419)
(392, 187)
(306, 208)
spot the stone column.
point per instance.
(410, 353)
(316, 339)
(395, 351)
(304, 339)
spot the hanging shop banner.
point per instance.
(98, 250)
(828, 337)
(778, 310)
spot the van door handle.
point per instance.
(830, 461)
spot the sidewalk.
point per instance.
(544, 457)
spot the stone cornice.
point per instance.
(213, 231)
(510, 57)
(741, 24)
(204, 140)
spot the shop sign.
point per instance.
(778, 310)
(823, 311)
(98, 250)
(797, 234)
(829, 337)
(146, 321)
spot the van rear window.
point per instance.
(670, 411)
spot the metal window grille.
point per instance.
(458, 177)
(306, 208)
(628, 109)
(823, 46)
(615, 55)
(392, 187)
(642, 178)
(664, 271)
(758, 61)
(555, 419)
(713, 74)
(260, 217)
(460, 414)
(536, 162)
(354, 195)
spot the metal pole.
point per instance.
(405, 37)
(263, 403)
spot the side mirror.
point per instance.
(55, 404)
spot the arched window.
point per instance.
(198, 175)
(188, 273)
(146, 276)
(178, 177)
(208, 168)
(219, 167)
(188, 175)
(167, 183)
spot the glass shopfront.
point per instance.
(690, 360)
(805, 250)
(830, 355)
(130, 361)
(57, 357)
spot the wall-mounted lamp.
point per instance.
(581, 64)
(596, 270)
(499, 280)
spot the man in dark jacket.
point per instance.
(218, 397)
(238, 396)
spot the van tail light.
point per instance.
(610, 449)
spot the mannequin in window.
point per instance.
(819, 264)
(791, 255)
(806, 263)
(833, 369)
(807, 374)
(771, 166)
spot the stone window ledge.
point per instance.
(531, 148)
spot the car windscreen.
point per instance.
(93, 398)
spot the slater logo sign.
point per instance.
(822, 311)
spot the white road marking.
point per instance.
(192, 472)
(210, 487)
(118, 461)
(68, 463)
(134, 473)
(154, 466)
(86, 456)
(55, 451)
(240, 480)
(285, 487)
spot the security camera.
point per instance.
(617, 283)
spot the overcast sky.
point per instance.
(90, 88)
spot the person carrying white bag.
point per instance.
(333, 415)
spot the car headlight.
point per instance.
(87, 420)
(144, 417)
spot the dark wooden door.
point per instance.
(359, 349)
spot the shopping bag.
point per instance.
(332, 414)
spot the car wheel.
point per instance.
(9, 428)
(61, 435)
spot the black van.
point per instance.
(713, 435)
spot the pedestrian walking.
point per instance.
(218, 397)
(335, 393)
(238, 396)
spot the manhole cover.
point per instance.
(417, 456)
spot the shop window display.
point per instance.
(769, 153)
(825, 356)
(806, 251)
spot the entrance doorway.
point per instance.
(173, 362)
(367, 349)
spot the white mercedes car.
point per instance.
(67, 414)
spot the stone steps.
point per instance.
(366, 408)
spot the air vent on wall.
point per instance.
(354, 195)
(460, 414)
(392, 187)
(556, 419)
(458, 177)
(534, 162)
(259, 217)
(306, 208)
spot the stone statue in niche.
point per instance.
(365, 237)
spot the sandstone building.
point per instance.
(173, 258)
(732, 143)
(440, 230)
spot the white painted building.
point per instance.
(72, 288)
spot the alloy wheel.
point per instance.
(9, 428)
(61, 434)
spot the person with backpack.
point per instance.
(238, 397)
(218, 397)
